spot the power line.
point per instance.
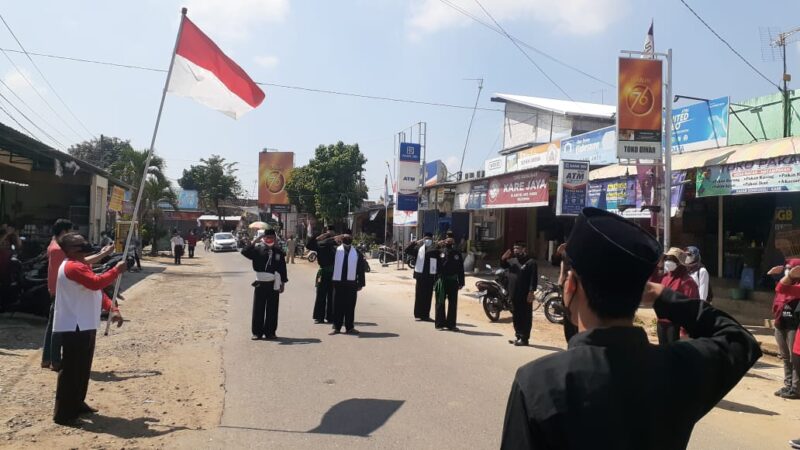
(523, 51)
(8, 27)
(59, 144)
(523, 43)
(278, 85)
(30, 108)
(729, 45)
(17, 122)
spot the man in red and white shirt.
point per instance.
(78, 302)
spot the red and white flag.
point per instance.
(202, 72)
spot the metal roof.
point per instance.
(564, 107)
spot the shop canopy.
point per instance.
(713, 157)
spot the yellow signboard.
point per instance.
(117, 197)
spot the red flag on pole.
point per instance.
(201, 71)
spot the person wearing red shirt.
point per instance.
(191, 241)
(51, 350)
(76, 316)
(677, 278)
(785, 309)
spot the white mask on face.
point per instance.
(428, 242)
(670, 266)
(691, 259)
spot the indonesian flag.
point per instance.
(202, 72)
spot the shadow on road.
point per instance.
(374, 335)
(479, 333)
(742, 408)
(467, 325)
(297, 341)
(122, 375)
(547, 347)
(365, 324)
(127, 428)
(357, 416)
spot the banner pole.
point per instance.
(146, 167)
(668, 156)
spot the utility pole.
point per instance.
(781, 42)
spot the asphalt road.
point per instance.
(400, 384)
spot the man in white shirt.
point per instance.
(79, 294)
(177, 246)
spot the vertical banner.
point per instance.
(639, 116)
(117, 196)
(274, 169)
(573, 186)
(408, 176)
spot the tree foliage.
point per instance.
(325, 184)
(156, 191)
(129, 167)
(215, 180)
(102, 152)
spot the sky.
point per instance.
(411, 49)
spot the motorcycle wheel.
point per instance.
(382, 258)
(312, 257)
(490, 308)
(554, 308)
(411, 262)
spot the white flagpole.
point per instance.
(134, 220)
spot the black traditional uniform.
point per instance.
(269, 263)
(612, 388)
(450, 280)
(323, 304)
(425, 270)
(347, 281)
(523, 275)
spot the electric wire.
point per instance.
(524, 44)
(17, 122)
(32, 110)
(729, 46)
(59, 144)
(69, 110)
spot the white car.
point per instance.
(222, 242)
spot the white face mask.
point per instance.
(428, 242)
(691, 259)
(670, 266)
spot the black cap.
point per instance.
(428, 234)
(269, 232)
(614, 258)
(521, 244)
(449, 233)
(331, 228)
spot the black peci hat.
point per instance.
(428, 234)
(269, 232)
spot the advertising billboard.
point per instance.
(573, 182)
(599, 147)
(408, 173)
(495, 166)
(639, 102)
(700, 125)
(117, 196)
(779, 174)
(541, 155)
(518, 190)
(274, 169)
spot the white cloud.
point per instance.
(578, 17)
(234, 19)
(16, 81)
(452, 163)
(267, 61)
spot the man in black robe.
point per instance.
(325, 246)
(348, 279)
(425, 269)
(522, 280)
(269, 264)
(612, 388)
(450, 273)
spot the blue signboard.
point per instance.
(700, 125)
(573, 179)
(187, 200)
(406, 202)
(599, 147)
(410, 152)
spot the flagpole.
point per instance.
(134, 221)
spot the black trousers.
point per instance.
(191, 251)
(265, 310)
(523, 317)
(667, 332)
(448, 320)
(422, 297)
(136, 258)
(344, 305)
(178, 252)
(73, 378)
(323, 305)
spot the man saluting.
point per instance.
(591, 395)
(425, 273)
(348, 279)
(269, 263)
(451, 280)
(522, 280)
(325, 246)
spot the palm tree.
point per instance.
(129, 167)
(156, 191)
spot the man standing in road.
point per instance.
(523, 276)
(177, 246)
(51, 350)
(591, 395)
(269, 264)
(451, 279)
(325, 246)
(191, 242)
(291, 248)
(348, 278)
(424, 274)
(79, 295)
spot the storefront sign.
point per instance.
(512, 163)
(599, 147)
(626, 194)
(519, 190)
(700, 125)
(404, 218)
(117, 196)
(477, 195)
(495, 166)
(541, 155)
(274, 169)
(408, 172)
(639, 109)
(780, 174)
(573, 179)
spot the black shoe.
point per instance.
(86, 409)
(454, 329)
(317, 321)
(440, 327)
(426, 319)
(271, 337)
(521, 343)
(352, 331)
(70, 422)
(795, 443)
(791, 395)
(255, 338)
(781, 391)
(335, 331)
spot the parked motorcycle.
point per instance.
(26, 289)
(387, 254)
(548, 295)
(495, 297)
(312, 256)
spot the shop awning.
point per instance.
(712, 157)
(214, 218)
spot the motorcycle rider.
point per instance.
(522, 279)
(426, 256)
